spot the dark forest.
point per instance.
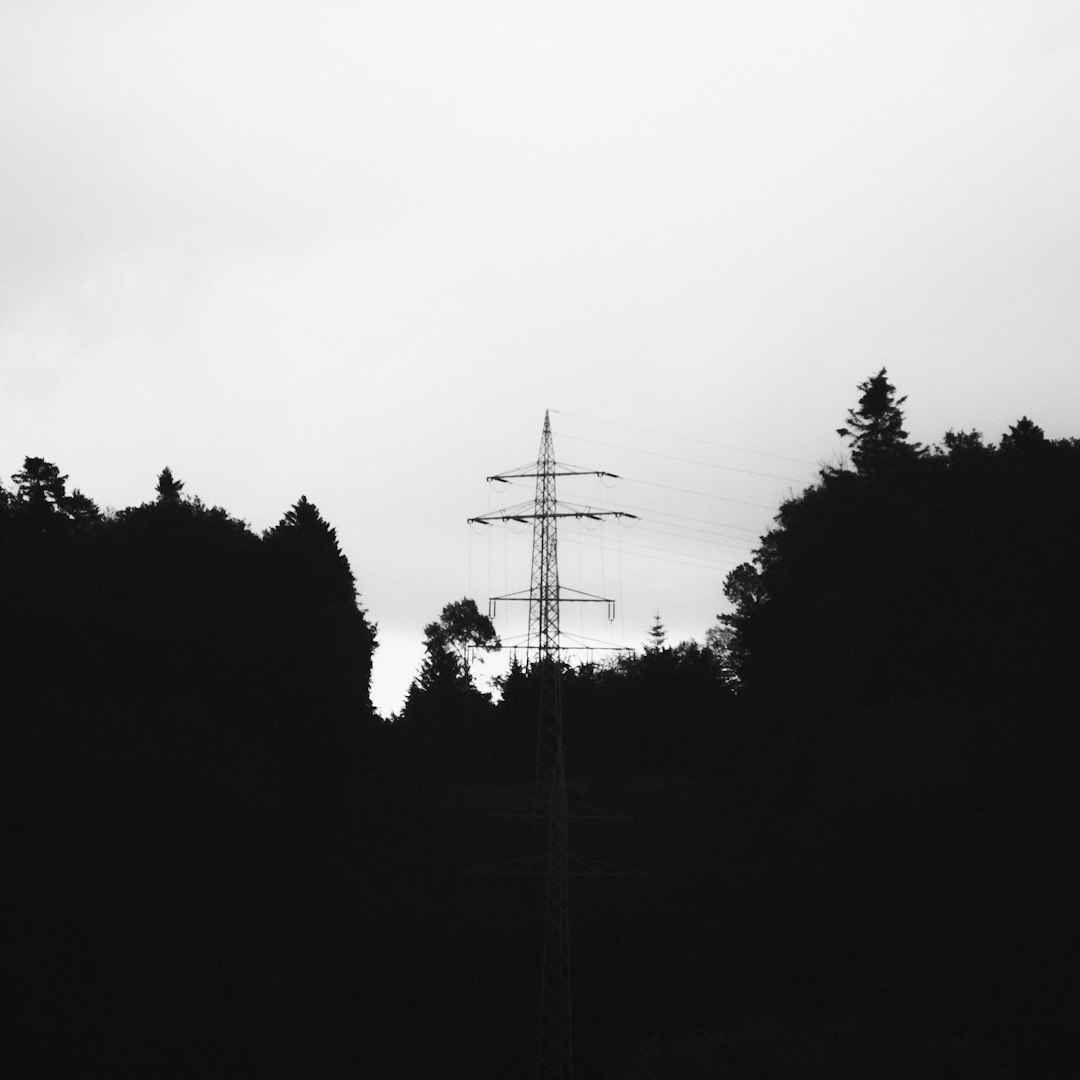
(853, 808)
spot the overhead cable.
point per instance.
(685, 438)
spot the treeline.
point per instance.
(907, 653)
(186, 717)
(840, 831)
(941, 575)
(646, 714)
(176, 600)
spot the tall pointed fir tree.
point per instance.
(333, 641)
(876, 428)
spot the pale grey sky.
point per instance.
(354, 250)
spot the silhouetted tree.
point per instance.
(718, 640)
(306, 551)
(963, 445)
(877, 585)
(517, 719)
(40, 483)
(464, 632)
(41, 498)
(744, 588)
(1023, 435)
(179, 743)
(907, 651)
(332, 640)
(442, 668)
(446, 718)
(168, 488)
(876, 427)
(81, 508)
(444, 674)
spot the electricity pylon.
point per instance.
(554, 1052)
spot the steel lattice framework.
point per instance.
(554, 1053)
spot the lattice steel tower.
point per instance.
(554, 1053)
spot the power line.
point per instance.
(675, 457)
(685, 438)
(643, 513)
(707, 538)
(703, 562)
(682, 532)
(699, 494)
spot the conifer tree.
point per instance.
(309, 556)
(1024, 435)
(876, 427)
(168, 487)
(657, 636)
(317, 590)
(40, 483)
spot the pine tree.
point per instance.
(168, 488)
(657, 636)
(876, 427)
(40, 483)
(309, 556)
(317, 592)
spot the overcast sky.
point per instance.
(355, 250)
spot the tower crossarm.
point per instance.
(592, 515)
(578, 597)
(505, 478)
